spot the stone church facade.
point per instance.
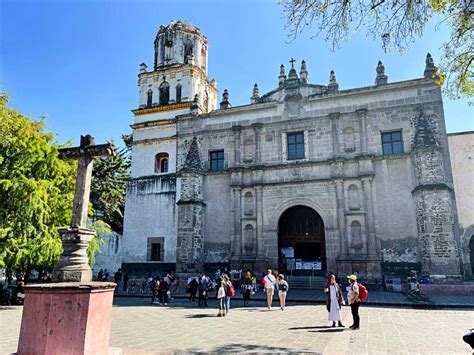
(305, 176)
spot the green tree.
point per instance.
(397, 23)
(36, 194)
(109, 182)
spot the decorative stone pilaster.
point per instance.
(237, 229)
(260, 247)
(257, 128)
(237, 132)
(370, 225)
(362, 116)
(341, 221)
(334, 117)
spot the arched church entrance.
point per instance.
(301, 242)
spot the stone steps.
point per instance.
(306, 282)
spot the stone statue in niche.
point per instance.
(353, 195)
(356, 235)
(349, 140)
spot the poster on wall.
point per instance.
(290, 264)
(288, 252)
(308, 265)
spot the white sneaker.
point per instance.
(166, 304)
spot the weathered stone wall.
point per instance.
(439, 252)
(110, 257)
(461, 149)
(217, 230)
(150, 210)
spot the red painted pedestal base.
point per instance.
(66, 318)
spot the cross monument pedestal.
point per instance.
(72, 315)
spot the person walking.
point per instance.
(221, 292)
(269, 285)
(334, 300)
(118, 278)
(282, 290)
(354, 301)
(203, 289)
(163, 291)
(155, 286)
(100, 275)
(125, 282)
(230, 292)
(192, 288)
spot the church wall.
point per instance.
(217, 230)
(461, 148)
(150, 209)
(110, 257)
(397, 230)
(143, 162)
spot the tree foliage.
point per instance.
(108, 186)
(397, 23)
(36, 194)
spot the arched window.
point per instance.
(248, 204)
(161, 162)
(353, 193)
(164, 165)
(149, 98)
(164, 93)
(178, 93)
(356, 235)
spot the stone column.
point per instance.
(340, 216)
(257, 128)
(259, 201)
(370, 221)
(237, 222)
(334, 117)
(237, 130)
(362, 115)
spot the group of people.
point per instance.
(160, 287)
(335, 299)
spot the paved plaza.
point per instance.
(140, 328)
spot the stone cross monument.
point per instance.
(74, 266)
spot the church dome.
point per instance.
(180, 25)
(180, 43)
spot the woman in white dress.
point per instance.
(334, 300)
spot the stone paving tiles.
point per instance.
(140, 328)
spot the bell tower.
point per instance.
(176, 84)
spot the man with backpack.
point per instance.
(355, 294)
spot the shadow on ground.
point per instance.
(249, 348)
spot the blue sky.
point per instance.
(76, 62)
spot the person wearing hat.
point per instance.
(354, 301)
